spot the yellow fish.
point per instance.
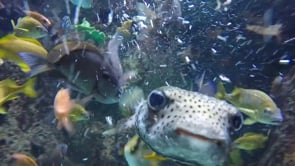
(23, 160)
(9, 90)
(29, 27)
(10, 46)
(125, 28)
(137, 153)
(250, 141)
(67, 111)
(254, 103)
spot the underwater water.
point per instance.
(147, 82)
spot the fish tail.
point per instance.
(67, 125)
(37, 64)
(221, 92)
(29, 88)
(59, 125)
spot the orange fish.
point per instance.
(41, 18)
(62, 109)
(23, 160)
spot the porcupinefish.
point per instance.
(187, 126)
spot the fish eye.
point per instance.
(267, 112)
(156, 100)
(236, 121)
(39, 28)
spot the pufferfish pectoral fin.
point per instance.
(249, 121)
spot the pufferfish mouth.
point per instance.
(185, 132)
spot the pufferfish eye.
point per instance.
(156, 100)
(236, 121)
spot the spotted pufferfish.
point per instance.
(186, 126)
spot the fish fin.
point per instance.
(279, 38)
(38, 64)
(221, 92)
(2, 110)
(13, 24)
(110, 132)
(29, 88)
(208, 89)
(85, 100)
(5, 54)
(249, 121)
(10, 97)
(59, 125)
(249, 112)
(67, 125)
(154, 156)
(200, 81)
(22, 29)
(24, 67)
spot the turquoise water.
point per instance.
(143, 44)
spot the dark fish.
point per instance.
(86, 68)
(207, 88)
(56, 158)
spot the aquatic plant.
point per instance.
(91, 32)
